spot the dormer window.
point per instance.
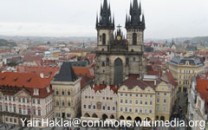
(48, 89)
(36, 92)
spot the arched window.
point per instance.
(134, 39)
(104, 39)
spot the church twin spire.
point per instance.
(136, 19)
(105, 20)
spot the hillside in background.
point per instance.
(7, 43)
(200, 39)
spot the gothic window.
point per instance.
(104, 39)
(134, 39)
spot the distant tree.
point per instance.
(12, 64)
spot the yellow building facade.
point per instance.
(147, 99)
(183, 69)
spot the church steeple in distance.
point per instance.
(105, 21)
(136, 19)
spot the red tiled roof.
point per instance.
(171, 78)
(84, 81)
(46, 70)
(101, 87)
(83, 71)
(132, 82)
(202, 88)
(28, 80)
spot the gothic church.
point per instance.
(118, 56)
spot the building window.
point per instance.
(103, 64)
(104, 39)
(62, 92)
(140, 102)
(68, 115)
(134, 39)
(136, 101)
(107, 61)
(103, 107)
(150, 102)
(69, 104)
(164, 100)
(121, 101)
(39, 113)
(68, 92)
(57, 103)
(57, 93)
(129, 109)
(114, 108)
(38, 101)
(84, 106)
(63, 104)
(108, 108)
(93, 106)
(121, 109)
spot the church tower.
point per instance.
(116, 56)
(135, 26)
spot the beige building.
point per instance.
(147, 99)
(184, 68)
(99, 102)
(66, 88)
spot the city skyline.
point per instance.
(164, 19)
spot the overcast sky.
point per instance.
(164, 18)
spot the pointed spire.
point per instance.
(105, 20)
(97, 20)
(135, 18)
(105, 4)
(135, 4)
(143, 21)
(140, 8)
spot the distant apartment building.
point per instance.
(148, 99)
(184, 68)
(25, 95)
(67, 97)
(99, 102)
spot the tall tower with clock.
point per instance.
(118, 57)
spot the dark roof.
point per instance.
(66, 73)
(182, 61)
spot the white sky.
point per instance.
(164, 18)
